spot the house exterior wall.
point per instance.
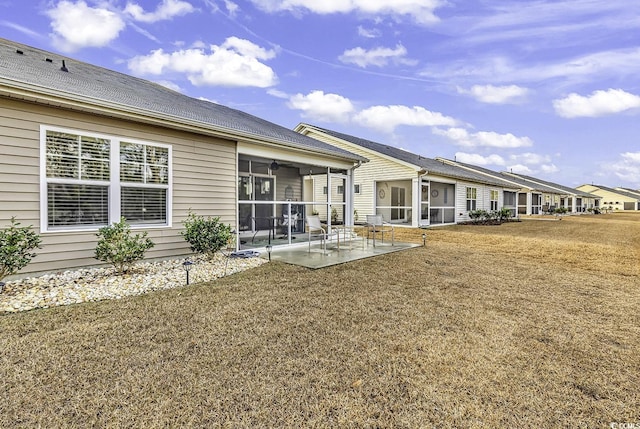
(204, 180)
(483, 198)
(378, 169)
(610, 199)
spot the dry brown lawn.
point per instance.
(530, 324)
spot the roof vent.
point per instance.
(49, 60)
(18, 51)
(64, 67)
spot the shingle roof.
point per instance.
(519, 182)
(617, 191)
(39, 71)
(568, 190)
(429, 164)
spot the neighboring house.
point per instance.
(629, 190)
(574, 200)
(81, 146)
(614, 198)
(409, 189)
(533, 196)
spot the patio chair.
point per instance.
(284, 223)
(376, 224)
(315, 229)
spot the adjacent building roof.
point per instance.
(562, 188)
(632, 191)
(627, 194)
(430, 165)
(518, 182)
(36, 75)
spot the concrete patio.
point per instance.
(349, 251)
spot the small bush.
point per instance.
(16, 247)
(206, 235)
(478, 216)
(119, 247)
(505, 214)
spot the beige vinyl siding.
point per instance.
(378, 168)
(319, 196)
(462, 215)
(608, 198)
(204, 180)
(287, 176)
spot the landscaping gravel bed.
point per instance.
(95, 284)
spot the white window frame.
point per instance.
(114, 185)
(493, 202)
(472, 201)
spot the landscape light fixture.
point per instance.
(424, 239)
(269, 247)
(187, 266)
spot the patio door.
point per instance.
(398, 212)
(264, 190)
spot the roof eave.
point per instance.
(47, 96)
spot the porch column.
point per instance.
(328, 198)
(348, 197)
(529, 202)
(416, 202)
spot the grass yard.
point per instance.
(530, 324)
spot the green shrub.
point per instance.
(478, 215)
(504, 214)
(206, 235)
(16, 247)
(119, 247)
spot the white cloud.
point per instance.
(277, 93)
(599, 103)
(76, 25)
(232, 8)
(234, 63)
(387, 118)
(462, 137)
(379, 57)
(167, 9)
(421, 11)
(169, 84)
(549, 168)
(496, 68)
(322, 107)
(530, 158)
(521, 169)
(633, 157)
(476, 159)
(496, 94)
(627, 168)
(24, 30)
(208, 100)
(368, 33)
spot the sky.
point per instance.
(548, 88)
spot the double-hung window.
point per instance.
(471, 198)
(493, 200)
(90, 180)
